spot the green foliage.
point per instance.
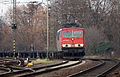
(102, 47)
(108, 33)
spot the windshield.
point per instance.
(67, 34)
(72, 34)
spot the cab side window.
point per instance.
(58, 35)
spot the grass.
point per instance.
(42, 61)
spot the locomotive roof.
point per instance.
(69, 28)
(73, 28)
(59, 30)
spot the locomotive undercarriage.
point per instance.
(73, 53)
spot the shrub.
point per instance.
(102, 47)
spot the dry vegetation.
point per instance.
(99, 18)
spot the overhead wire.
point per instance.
(1, 10)
(11, 2)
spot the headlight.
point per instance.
(81, 45)
(69, 45)
(78, 45)
(66, 45)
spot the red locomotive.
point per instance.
(71, 42)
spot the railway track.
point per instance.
(100, 70)
(49, 69)
(4, 65)
(4, 69)
(32, 71)
(70, 70)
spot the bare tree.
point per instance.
(98, 17)
(31, 27)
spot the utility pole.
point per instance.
(47, 30)
(119, 7)
(14, 26)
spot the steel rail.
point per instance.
(49, 70)
(110, 69)
(89, 69)
(103, 63)
(31, 69)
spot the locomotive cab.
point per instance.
(71, 42)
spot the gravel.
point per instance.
(69, 71)
(115, 73)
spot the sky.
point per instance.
(5, 4)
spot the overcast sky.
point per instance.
(5, 4)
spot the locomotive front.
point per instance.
(71, 42)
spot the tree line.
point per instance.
(99, 18)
